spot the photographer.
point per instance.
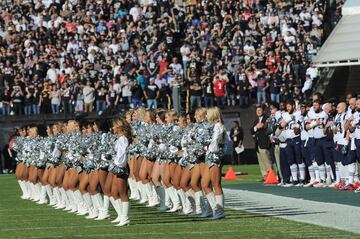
(28, 100)
(17, 96)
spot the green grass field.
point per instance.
(25, 219)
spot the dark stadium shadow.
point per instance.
(273, 211)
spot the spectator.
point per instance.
(100, 96)
(52, 74)
(243, 87)
(36, 101)
(45, 103)
(208, 91)
(195, 95)
(125, 84)
(220, 91)
(176, 67)
(66, 98)
(75, 42)
(28, 101)
(151, 94)
(185, 53)
(274, 86)
(6, 101)
(175, 84)
(262, 85)
(55, 97)
(152, 66)
(237, 137)
(311, 71)
(89, 97)
(17, 99)
(137, 94)
(231, 91)
(78, 95)
(163, 82)
(112, 99)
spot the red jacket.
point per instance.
(219, 87)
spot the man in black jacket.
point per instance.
(260, 134)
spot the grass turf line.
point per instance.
(25, 219)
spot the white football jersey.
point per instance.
(339, 124)
(356, 123)
(317, 131)
(293, 121)
(305, 134)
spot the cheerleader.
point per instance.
(87, 187)
(148, 161)
(21, 171)
(61, 169)
(120, 171)
(106, 151)
(140, 128)
(98, 177)
(56, 130)
(75, 200)
(185, 178)
(130, 118)
(196, 163)
(33, 155)
(44, 157)
(174, 168)
(211, 170)
(161, 196)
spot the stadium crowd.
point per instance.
(76, 55)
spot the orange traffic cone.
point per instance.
(230, 174)
(270, 177)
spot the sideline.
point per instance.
(332, 215)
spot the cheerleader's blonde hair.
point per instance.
(123, 127)
(140, 113)
(173, 115)
(58, 127)
(201, 112)
(214, 115)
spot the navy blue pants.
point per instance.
(357, 144)
(347, 156)
(323, 149)
(308, 151)
(293, 151)
(284, 165)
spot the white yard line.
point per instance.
(343, 217)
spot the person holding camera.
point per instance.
(17, 96)
(28, 100)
